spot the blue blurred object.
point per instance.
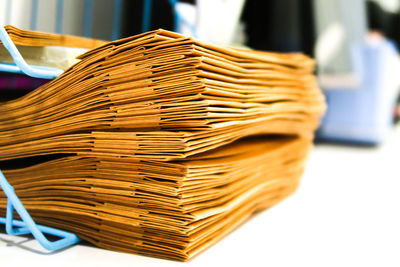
(365, 114)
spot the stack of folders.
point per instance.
(159, 144)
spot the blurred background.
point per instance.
(348, 202)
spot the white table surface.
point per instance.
(346, 212)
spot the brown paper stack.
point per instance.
(141, 146)
(165, 209)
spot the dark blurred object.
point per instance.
(279, 25)
(387, 23)
(13, 86)
(19, 82)
(396, 112)
(162, 16)
(378, 19)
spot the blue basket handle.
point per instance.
(28, 225)
(20, 65)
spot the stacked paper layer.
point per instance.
(165, 209)
(143, 144)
